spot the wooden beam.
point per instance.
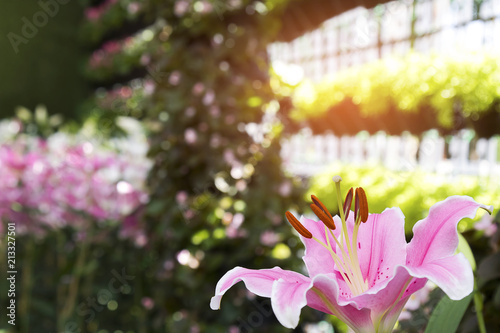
(302, 16)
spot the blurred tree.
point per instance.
(218, 196)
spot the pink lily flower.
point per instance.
(364, 272)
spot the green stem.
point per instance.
(60, 264)
(69, 304)
(87, 284)
(478, 304)
(26, 283)
(139, 294)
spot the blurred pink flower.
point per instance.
(269, 238)
(285, 188)
(487, 225)
(207, 7)
(190, 136)
(198, 88)
(51, 186)
(133, 7)
(93, 14)
(208, 98)
(145, 59)
(181, 7)
(112, 47)
(147, 303)
(181, 197)
(175, 78)
(214, 111)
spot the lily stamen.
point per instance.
(321, 206)
(324, 215)
(322, 212)
(354, 281)
(349, 275)
(348, 203)
(360, 215)
(297, 225)
(346, 274)
(347, 261)
(360, 204)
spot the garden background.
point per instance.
(147, 147)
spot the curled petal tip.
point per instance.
(215, 303)
(489, 208)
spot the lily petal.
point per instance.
(381, 245)
(452, 274)
(288, 298)
(387, 299)
(324, 296)
(436, 236)
(259, 282)
(317, 259)
(390, 318)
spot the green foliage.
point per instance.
(447, 315)
(467, 84)
(38, 123)
(123, 56)
(412, 191)
(464, 248)
(68, 267)
(41, 64)
(110, 16)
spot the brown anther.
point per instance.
(356, 207)
(323, 217)
(347, 203)
(321, 206)
(297, 225)
(361, 204)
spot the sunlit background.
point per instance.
(148, 146)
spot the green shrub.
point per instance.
(450, 89)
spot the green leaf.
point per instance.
(447, 315)
(464, 248)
